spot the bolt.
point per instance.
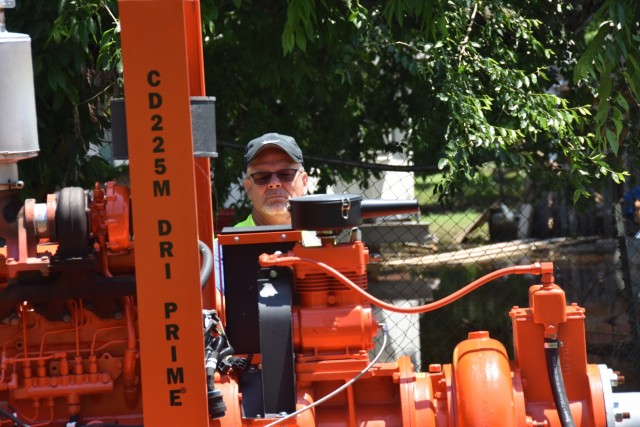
(435, 368)
(617, 379)
(273, 274)
(622, 416)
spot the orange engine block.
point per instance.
(288, 345)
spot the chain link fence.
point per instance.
(420, 258)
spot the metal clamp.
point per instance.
(553, 344)
(345, 208)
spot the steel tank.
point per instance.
(18, 123)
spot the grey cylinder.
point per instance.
(18, 123)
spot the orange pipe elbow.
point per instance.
(483, 386)
(304, 398)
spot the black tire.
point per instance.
(72, 223)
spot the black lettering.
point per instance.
(165, 249)
(155, 100)
(169, 308)
(164, 227)
(174, 397)
(160, 167)
(153, 78)
(167, 270)
(171, 331)
(175, 375)
(174, 353)
(161, 188)
(159, 144)
(157, 122)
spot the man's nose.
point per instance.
(274, 181)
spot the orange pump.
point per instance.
(74, 356)
(332, 334)
(97, 330)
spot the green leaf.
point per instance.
(576, 195)
(585, 66)
(288, 40)
(301, 40)
(612, 139)
(622, 102)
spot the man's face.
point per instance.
(270, 199)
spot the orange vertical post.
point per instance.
(195, 64)
(155, 59)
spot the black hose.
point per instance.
(13, 418)
(228, 351)
(207, 263)
(551, 352)
(217, 344)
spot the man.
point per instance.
(275, 173)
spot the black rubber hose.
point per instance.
(207, 263)
(16, 420)
(552, 355)
(228, 351)
(217, 344)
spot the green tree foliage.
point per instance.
(75, 63)
(609, 68)
(467, 83)
(496, 87)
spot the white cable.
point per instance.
(342, 387)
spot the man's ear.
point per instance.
(246, 183)
(305, 183)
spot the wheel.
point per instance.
(72, 223)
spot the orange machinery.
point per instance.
(97, 330)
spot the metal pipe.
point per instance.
(372, 208)
(207, 263)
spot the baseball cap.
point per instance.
(284, 142)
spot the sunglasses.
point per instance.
(264, 177)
